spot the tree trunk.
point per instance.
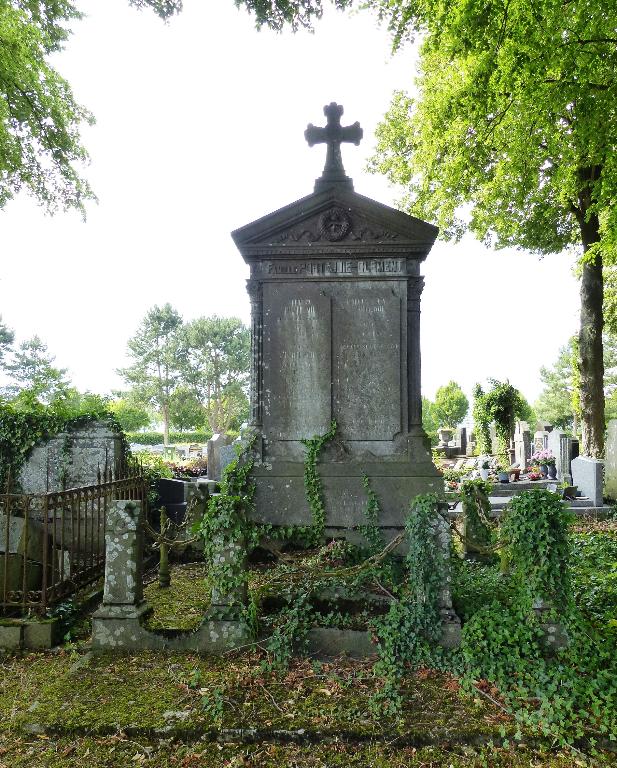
(590, 345)
(166, 424)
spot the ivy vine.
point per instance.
(25, 422)
(313, 485)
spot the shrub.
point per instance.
(156, 438)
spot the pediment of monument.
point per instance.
(335, 218)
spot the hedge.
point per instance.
(156, 438)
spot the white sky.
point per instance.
(199, 131)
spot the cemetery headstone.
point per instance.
(215, 444)
(560, 444)
(522, 444)
(588, 476)
(335, 290)
(610, 480)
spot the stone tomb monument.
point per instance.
(335, 292)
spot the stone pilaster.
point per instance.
(415, 285)
(255, 292)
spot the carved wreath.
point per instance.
(334, 224)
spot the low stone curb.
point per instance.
(302, 736)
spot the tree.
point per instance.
(559, 401)
(218, 367)
(7, 337)
(31, 368)
(40, 146)
(159, 356)
(131, 416)
(185, 410)
(502, 404)
(429, 423)
(516, 120)
(450, 406)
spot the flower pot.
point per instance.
(503, 477)
(544, 470)
(484, 473)
(552, 472)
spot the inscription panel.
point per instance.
(367, 360)
(297, 372)
(316, 268)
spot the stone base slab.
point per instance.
(120, 628)
(20, 634)
(280, 494)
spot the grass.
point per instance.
(69, 708)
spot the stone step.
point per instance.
(511, 489)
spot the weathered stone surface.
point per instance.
(214, 446)
(588, 476)
(26, 536)
(71, 459)
(11, 637)
(560, 444)
(610, 479)
(335, 302)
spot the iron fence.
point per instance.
(53, 544)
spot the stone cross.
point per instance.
(333, 134)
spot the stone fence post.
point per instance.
(116, 622)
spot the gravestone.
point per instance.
(610, 480)
(560, 444)
(588, 476)
(335, 292)
(522, 444)
(540, 440)
(214, 446)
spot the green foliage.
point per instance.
(185, 410)
(371, 530)
(278, 14)
(536, 528)
(158, 353)
(594, 578)
(429, 421)
(474, 496)
(451, 405)
(25, 421)
(129, 415)
(40, 147)
(156, 438)
(154, 468)
(217, 367)
(410, 632)
(312, 483)
(31, 368)
(502, 404)
(7, 337)
(482, 420)
(560, 400)
(227, 526)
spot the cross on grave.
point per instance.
(333, 134)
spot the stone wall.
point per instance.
(71, 459)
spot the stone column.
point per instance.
(116, 623)
(451, 624)
(415, 285)
(255, 292)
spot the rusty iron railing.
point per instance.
(53, 544)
